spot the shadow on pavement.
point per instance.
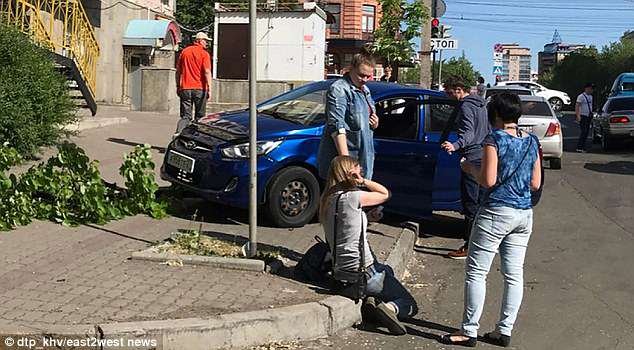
(617, 167)
(118, 233)
(133, 144)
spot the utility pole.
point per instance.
(253, 132)
(425, 48)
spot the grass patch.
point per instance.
(192, 242)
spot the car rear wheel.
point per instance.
(293, 197)
(555, 163)
(556, 103)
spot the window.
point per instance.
(301, 106)
(536, 109)
(335, 11)
(440, 114)
(367, 19)
(621, 104)
(399, 118)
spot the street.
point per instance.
(578, 277)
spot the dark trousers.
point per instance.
(584, 124)
(191, 99)
(470, 194)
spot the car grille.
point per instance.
(193, 145)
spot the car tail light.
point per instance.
(620, 119)
(553, 129)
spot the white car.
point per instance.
(539, 119)
(556, 98)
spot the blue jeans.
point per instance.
(383, 285)
(506, 230)
(470, 195)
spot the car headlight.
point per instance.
(241, 151)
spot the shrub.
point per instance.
(34, 100)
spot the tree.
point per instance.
(195, 16)
(400, 23)
(590, 65)
(460, 67)
(35, 105)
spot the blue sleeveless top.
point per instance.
(516, 191)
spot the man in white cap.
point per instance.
(193, 80)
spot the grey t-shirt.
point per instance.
(351, 221)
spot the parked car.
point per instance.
(614, 122)
(556, 98)
(623, 85)
(518, 90)
(539, 118)
(210, 158)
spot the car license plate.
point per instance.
(181, 161)
(528, 129)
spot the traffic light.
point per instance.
(444, 31)
(435, 28)
(330, 59)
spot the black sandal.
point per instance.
(498, 339)
(471, 342)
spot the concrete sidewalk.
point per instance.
(53, 275)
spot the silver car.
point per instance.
(614, 122)
(539, 119)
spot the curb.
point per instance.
(95, 122)
(219, 262)
(243, 329)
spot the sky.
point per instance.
(479, 24)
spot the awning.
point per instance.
(154, 33)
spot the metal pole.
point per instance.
(253, 130)
(439, 68)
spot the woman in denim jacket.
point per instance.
(510, 170)
(350, 118)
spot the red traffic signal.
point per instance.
(435, 30)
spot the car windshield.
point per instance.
(621, 104)
(536, 109)
(302, 106)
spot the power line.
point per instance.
(531, 22)
(543, 7)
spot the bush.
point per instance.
(34, 100)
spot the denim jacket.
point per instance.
(348, 108)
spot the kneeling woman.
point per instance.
(345, 223)
(511, 169)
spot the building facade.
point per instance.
(131, 35)
(553, 54)
(516, 63)
(352, 24)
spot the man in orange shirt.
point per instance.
(193, 80)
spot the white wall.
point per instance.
(290, 45)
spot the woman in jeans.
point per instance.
(510, 170)
(341, 209)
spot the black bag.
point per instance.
(315, 266)
(353, 288)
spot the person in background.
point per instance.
(481, 88)
(583, 111)
(510, 170)
(342, 216)
(473, 127)
(387, 75)
(193, 81)
(350, 118)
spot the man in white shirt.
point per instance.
(583, 110)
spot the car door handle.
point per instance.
(416, 155)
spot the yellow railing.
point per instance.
(60, 25)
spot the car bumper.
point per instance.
(620, 130)
(567, 100)
(552, 147)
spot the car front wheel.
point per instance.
(556, 103)
(293, 197)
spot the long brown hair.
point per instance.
(339, 179)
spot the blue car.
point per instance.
(210, 158)
(623, 85)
